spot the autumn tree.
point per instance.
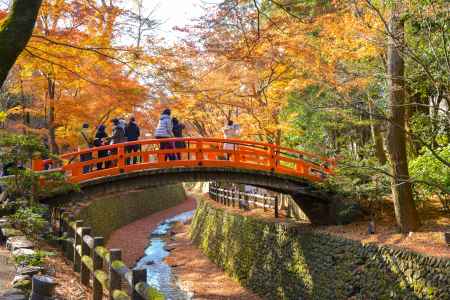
(76, 72)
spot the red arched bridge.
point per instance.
(147, 163)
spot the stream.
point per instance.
(159, 274)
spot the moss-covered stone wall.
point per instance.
(106, 214)
(288, 261)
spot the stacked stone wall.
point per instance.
(108, 213)
(291, 261)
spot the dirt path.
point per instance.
(134, 238)
(198, 274)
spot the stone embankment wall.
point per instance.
(290, 261)
(106, 214)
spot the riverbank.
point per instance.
(187, 262)
(282, 260)
(134, 237)
(198, 274)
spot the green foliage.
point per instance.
(363, 179)
(20, 149)
(23, 185)
(431, 176)
(432, 132)
(55, 183)
(36, 259)
(31, 219)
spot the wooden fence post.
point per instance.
(247, 201)
(85, 250)
(239, 200)
(289, 209)
(69, 238)
(43, 287)
(76, 242)
(137, 276)
(115, 281)
(97, 263)
(276, 206)
(62, 223)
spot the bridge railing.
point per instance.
(234, 198)
(100, 268)
(193, 152)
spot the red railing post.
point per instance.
(121, 157)
(300, 167)
(37, 165)
(199, 153)
(236, 155)
(145, 158)
(272, 162)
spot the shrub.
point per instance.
(431, 176)
(31, 219)
(17, 151)
(36, 259)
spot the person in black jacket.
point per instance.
(133, 133)
(177, 129)
(100, 140)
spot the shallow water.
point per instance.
(159, 274)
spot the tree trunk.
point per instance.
(405, 210)
(15, 32)
(377, 137)
(51, 117)
(379, 149)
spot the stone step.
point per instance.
(23, 252)
(12, 294)
(18, 242)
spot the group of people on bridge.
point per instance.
(123, 132)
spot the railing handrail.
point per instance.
(229, 197)
(192, 139)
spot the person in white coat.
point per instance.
(164, 131)
(230, 131)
